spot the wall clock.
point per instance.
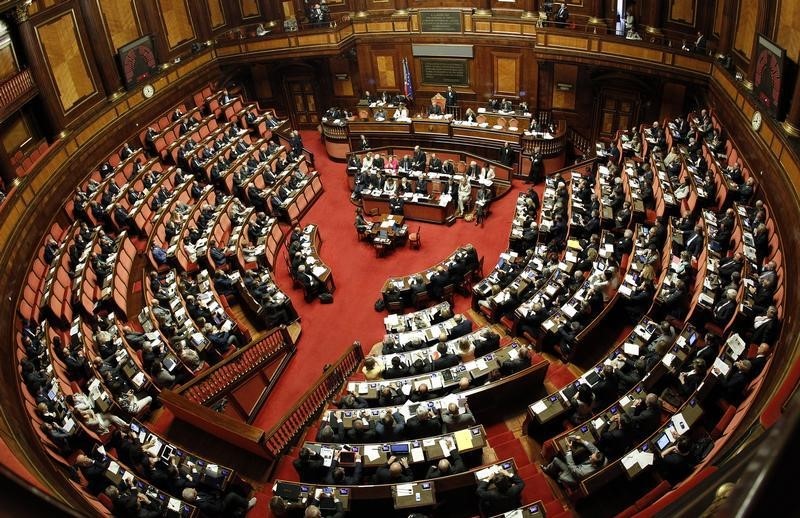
(756, 120)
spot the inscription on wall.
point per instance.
(440, 21)
(445, 72)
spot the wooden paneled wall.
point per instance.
(788, 28)
(176, 20)
(66, 68)
(120, 21)
(745, 28)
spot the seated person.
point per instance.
(309, 466)
(501, 493)
(393, 472)
(447, 466)
(454, 419)
(581, 460)
(337, 475)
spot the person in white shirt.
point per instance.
(464, 193)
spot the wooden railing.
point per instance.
(15, 88)
(580, 143)
(283, 435)
(220, 383)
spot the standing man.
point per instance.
(562, 15)
(536, 173)
(450, 97)
(506, 155)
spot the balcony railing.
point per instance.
(16, 88)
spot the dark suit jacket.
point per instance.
(456, 466)
(494, 502)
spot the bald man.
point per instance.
(394, 472)
(448, 466)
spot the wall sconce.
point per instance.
(564, 87)
(341, 77)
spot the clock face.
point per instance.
(148, 91)
(756, 120)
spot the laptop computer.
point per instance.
(347, 457)
(399, 448)
(289, 492)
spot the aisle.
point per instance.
(329, 329)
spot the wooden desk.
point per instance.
(532, 510)
(414, 494)
(404, 283)
(314, 242)
(430, 212)
(392, 225)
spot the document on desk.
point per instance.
(404, 489)
(319, 271)
(680, 424)
(630, 348)
(417, 454)
(487, 473)
(539, 407)
(598, 423)
(463, 439)
(630, 460)
(327, 456)
(372, 453)
(445, 446)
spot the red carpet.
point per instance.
(328, 329)
(359, 276)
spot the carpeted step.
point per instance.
(536, 488)
(495, 429)
(512, 449)
(502, 438)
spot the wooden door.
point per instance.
(302, 102)
(616, 110)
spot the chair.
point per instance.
(395, 307)
(414, 240)
(448, 292)
(421, 299)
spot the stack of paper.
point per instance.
(463, 439)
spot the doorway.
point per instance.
(301, 99)
(618, 110)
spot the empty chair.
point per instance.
(414, 240)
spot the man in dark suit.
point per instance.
(695, 242)
(627, 428)
(434, 109)
(562, 15)
(438, 281)
(448, 466)
(419, 159)
(506, 155)
(463, 326)
(337, 475)
(488, 341)
(394, 472)
(733, 384)
(435, 164)
(450, 97)
(397, 369)
(501, 493)
(760, 359)
(361, 433)
(445, 358)
(424, 424)
(309, 466)
(725, 308)
(766, 326)
(707, 349)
